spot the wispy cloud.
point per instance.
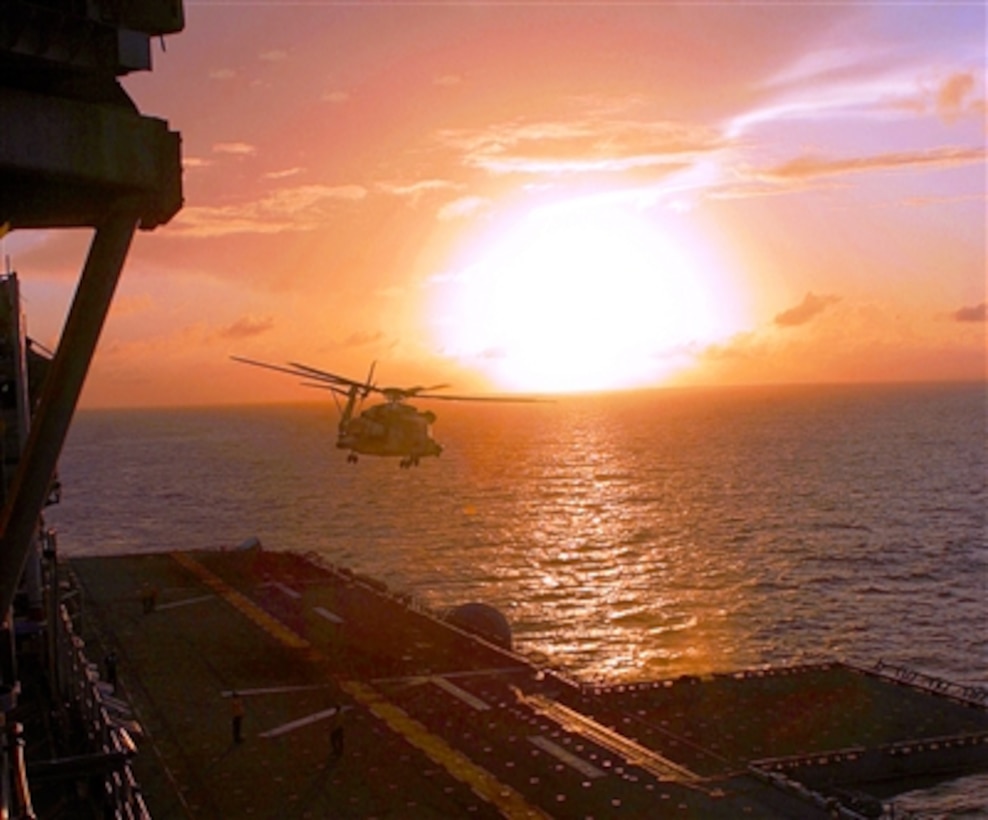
(246, 327)
(953, 94)
(971, 313)
(950, 97)
(458, 208)
(192, 163)
(857, 81)
(362, 339)
(580, 146)
(809, 167)
(336, 96)
(807, 310)
(300, 208)
(416, 190)
(284, 174)
(239, 149)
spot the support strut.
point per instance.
(59, 396)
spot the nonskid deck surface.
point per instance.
(439, 724)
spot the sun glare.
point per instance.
(578, 299)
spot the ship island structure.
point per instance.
(251, 682)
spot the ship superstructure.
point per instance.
(74, 153)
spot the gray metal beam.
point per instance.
(64, 161)
(50, 426)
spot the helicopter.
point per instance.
(392, 428)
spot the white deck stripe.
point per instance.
(329, 616)
(298, 724)
(275, 690)
(566, 756)
(186, 602)
(462, 694)
(291, 593)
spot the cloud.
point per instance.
(591, 145)
(952, 93)
(287, 172)
(416, 190)
(857, 83)
(971, 313)
(246, 327)
(301, 208)
(222, 74)
(240, 149)
(275, 55)
(465, 206)
(811, 307)
(810, 167)
(825, 62)
(362, 339)
(336, 96)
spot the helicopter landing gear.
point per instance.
(351, 458)
(411, 461)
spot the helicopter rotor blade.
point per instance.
(419, 389)
(493, 399)
(326, 386)
(334, 382)
(279, 368)
(324, 375)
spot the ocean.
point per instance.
(625, 537)
(629, 536)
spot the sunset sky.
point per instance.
(549, 197)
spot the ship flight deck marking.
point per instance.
(461, 694)
(269, 624)
(332, 617)
(567, 757)
(636, 754)
(286, 590)
(285, 728)
(509, 802)
(185, 602)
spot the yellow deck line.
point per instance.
(269, 624)
(508, 801)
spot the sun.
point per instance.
(578, 298)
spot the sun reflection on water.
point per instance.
(595, 561)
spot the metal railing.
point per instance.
(121, 796)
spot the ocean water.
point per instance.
(625, 537)
(631, 536)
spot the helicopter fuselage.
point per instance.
(390, 429)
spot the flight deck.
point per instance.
(440, 722)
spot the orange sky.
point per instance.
(551, 197)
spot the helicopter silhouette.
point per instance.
(392, 428)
